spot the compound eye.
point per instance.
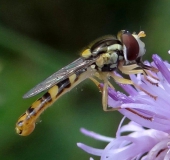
(131, 45)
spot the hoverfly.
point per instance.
(99, 60)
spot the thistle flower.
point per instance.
(148, 105)
(133, 146)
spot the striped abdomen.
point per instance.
(26, 122)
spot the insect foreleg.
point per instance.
(129, 69)
(120, 79)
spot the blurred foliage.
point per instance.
(39, 37)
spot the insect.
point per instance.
(98, 61)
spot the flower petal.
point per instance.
(95, 135)
(90, 150)
(162, 67)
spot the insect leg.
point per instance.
(105, 93)
(120, 79)
(130, 69)
(126, 81)
(111, 109)
(148, 73)
(104, 89)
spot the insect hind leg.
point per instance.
(104, 89)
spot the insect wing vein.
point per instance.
(58, 76)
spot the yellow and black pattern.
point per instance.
(98, 61)
(26, 122)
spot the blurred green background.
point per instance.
(39, 37)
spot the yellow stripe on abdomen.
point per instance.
(26, 122)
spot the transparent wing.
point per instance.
(58, 76)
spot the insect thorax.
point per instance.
(107, 52)
(108, 61)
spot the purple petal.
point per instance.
(118, 133)
(113, 151)
(157, 149)
(131, 127)
(162, 67)
(95, 135)
(156, 123)
(90, 150)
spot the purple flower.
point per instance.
(133, 146)
(147, 104)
